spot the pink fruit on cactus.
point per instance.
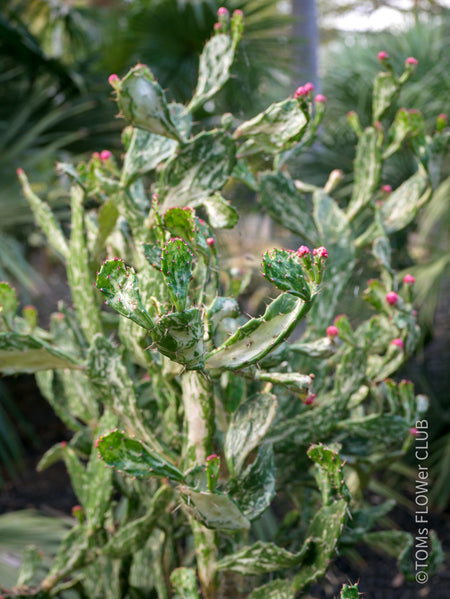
(391, 298)
(311, 397)
(332, 331)
(321, 99)
(309, 87)
(210, 241)
(409, 279)
(302, 250)
(382, 55)
(386, 188)
(397, 342)
(113, 79)
(321, 252)
(222, 11)
(105, 155)
(411, 61)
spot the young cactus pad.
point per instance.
(118, 285)
(259, 336)
(176, 265)
(284, 270)
(131, 456)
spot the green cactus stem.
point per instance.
(198, 404)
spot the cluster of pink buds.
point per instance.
(302, 250)
(304, 90)
(104, 155)
(320, 252)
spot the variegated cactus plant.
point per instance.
(189, 417)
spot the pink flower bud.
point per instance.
(63, 443)
(96, 155)
(413, 431)
(76, 509)
(19, 171)
(238, 13)
(302, 250)
(309, 87)
(222, 11)
(412, 61)
(386, 189)
(300, 92)
(391, 298)
(382, 55)
(113, 80)
(321, 252)
(397, 342)
(217, 26)
(320, 99)
(409, 279)
(332, 331)
(311, 397)
(105, 155)
(213, 456)
(210, 241)
(443, 116)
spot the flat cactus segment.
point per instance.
(27, 353)
(259, 336)
(8, 304)
(118, 285)
(402, 205)
(286, 205)
(324, 533)
(398, 131)
(147, 150)
(285, 271)
(99, 480)
(176, 266)
(248, 427)
(78, 269)
(299, 383)
(201, 167)
(44, 218)
(329, 474)
(276, 589)
(214, 69)
(153, 255)
(278, 128)
(221, 213)
(181, 222)
(142, 103)
(350, 591)
(367, 168)
(131, 456)
(385, 89)
(132, 536)
(261, 558)
(254, 489)
(365, 429)
(179, 336)
(213, 510)
(184, 583)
